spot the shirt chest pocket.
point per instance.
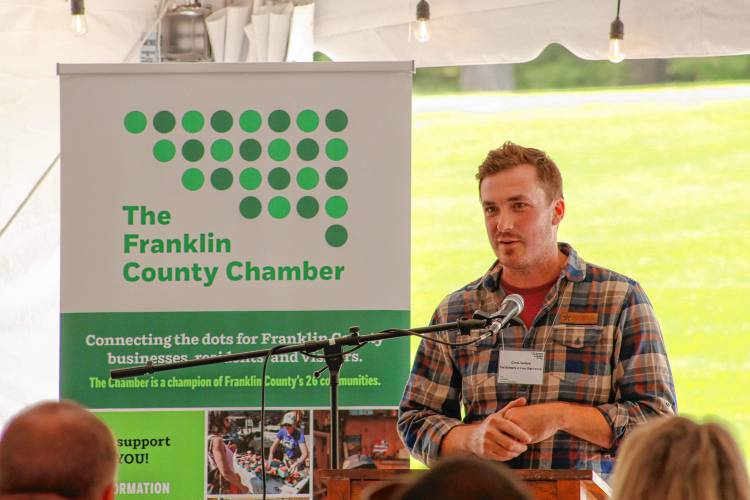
(480, 392)
(474, 360)
(578, 353)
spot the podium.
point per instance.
(543, 484)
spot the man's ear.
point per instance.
(559, 211)
(109, 492)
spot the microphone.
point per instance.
(511, 306)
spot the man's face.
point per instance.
(521, 223)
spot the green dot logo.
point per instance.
(192, 122)
(307, 178)
(336, 207)
(279, 149)
(164, 122)
(221, 179)
(221, 121)
(336, 120)
(164, 150)
(307, 207)
(336, 149)
(192, 150)
(336, 178)
(221, 150)
(261, 178)
(250, 179)
(307, 120)
(336, 235)
(250, 207)
(307, 149)
(279, 207)
(250, 121)
(279, 178)
(193, 179)
(250, 150)
(279, 120)
(135, 122)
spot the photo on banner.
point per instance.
(234, 436)
(369, 440)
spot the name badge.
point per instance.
(520, 367)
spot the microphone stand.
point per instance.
(332, 349)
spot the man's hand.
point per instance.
(539, 421)
(497, 437)
(505, 435)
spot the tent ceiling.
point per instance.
(510, 31)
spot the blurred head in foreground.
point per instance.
(57, 450)
(674, 458)
(464, 477)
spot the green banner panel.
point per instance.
(160, 460)
(95, 343)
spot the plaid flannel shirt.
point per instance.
(603, 347)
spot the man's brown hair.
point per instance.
(511, 155)
(59, 448)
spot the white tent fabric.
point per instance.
(510, 31)
(36, 34)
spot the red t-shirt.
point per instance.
(533, 299)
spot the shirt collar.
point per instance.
(575, 270)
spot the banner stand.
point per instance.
(211, 209)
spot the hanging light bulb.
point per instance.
(615, 54)
(616, 34)
(421, 27)
(78, 11)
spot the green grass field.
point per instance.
(658, 191)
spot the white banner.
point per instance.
(275, 186)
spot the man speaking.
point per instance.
(568, 378)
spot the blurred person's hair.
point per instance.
(216, 421)
(465, 477)
(511, 155)
(57, 448)
(674, 458)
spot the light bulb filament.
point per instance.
(79, 24)
(615, 50)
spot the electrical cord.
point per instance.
(433, 339)
(270, 353)
(329, 356)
